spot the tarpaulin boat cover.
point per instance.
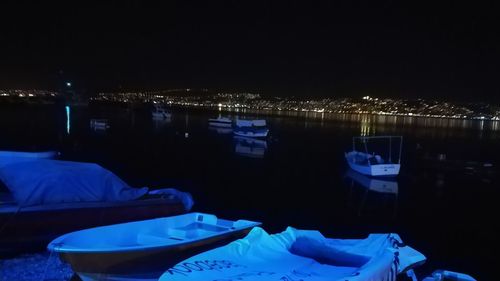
(53, 181)
(299, 255)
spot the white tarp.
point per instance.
(298, 255)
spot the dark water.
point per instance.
(298, 177)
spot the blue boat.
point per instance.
(143, 250)
(41, 199)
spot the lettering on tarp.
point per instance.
(245, 275)
(295, 275)
(197, 267)
(186, 268)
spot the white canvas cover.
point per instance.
(53, 181)
(298, 255)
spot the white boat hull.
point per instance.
(367, 164)
(378, 170)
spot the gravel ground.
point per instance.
(35, 267)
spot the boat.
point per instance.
(159, 112)
(251, 128)
(43, 199)
(220, 122)
(372, 164)
(143, 250)
(300, 255)
(250, 147)
(99, 124)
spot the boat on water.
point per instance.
(220, 122)
(251, 128)
(143, 250)
(300, 255)
(41, 199)
(372, 163)
(159, 112)
(99, 124)
(250, 147)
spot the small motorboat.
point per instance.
(143, 250)
(220, 122)
(99, 124)
(251, 128)
(371, 164)
(300, 255)
(43, 199)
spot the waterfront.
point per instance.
(298, 176)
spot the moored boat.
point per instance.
(220, 122)
(371, 164)
(144, 249)
(43, 199)
(251, 128)
(300, 255)
(99, 124)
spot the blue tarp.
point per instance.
(53, 181)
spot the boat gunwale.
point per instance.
(9, 207)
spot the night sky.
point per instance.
(446, 50)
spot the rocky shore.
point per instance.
(35, 267)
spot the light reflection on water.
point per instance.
(492, 125)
